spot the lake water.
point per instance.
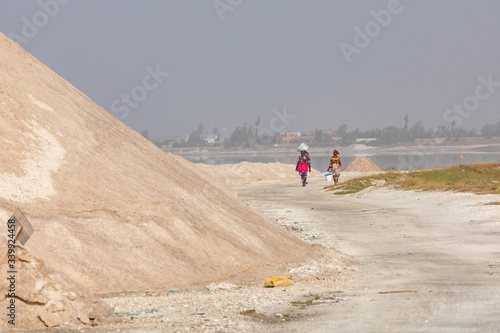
(400, 162)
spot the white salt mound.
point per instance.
(362, 164)
(110, 210)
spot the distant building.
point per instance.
(326, 132)
(304, 139)
(324, 136)
(210, 138)
(286, 137)
(366, 139)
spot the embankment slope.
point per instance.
(110, 210)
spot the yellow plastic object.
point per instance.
(275, 281)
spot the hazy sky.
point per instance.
(167, 65)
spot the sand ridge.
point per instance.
(246, 172)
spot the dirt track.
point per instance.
(426, 262)
(429, 262)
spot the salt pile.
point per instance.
(362, 164)
(110, 210)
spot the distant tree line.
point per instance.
(489, 131)
(245, 136)
(393, 134)
(242, 137)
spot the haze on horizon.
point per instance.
(166, 66)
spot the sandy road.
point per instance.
(425, 262)
(429, 262)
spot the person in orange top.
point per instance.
(335, 165)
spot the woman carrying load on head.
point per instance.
(303, 165)
(335, 165)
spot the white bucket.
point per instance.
(328, 177)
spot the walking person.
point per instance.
(335, 165)
(303, 165)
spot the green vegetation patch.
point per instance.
(352, 186)
(310, 301)
(478, 178)
(302, 304)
